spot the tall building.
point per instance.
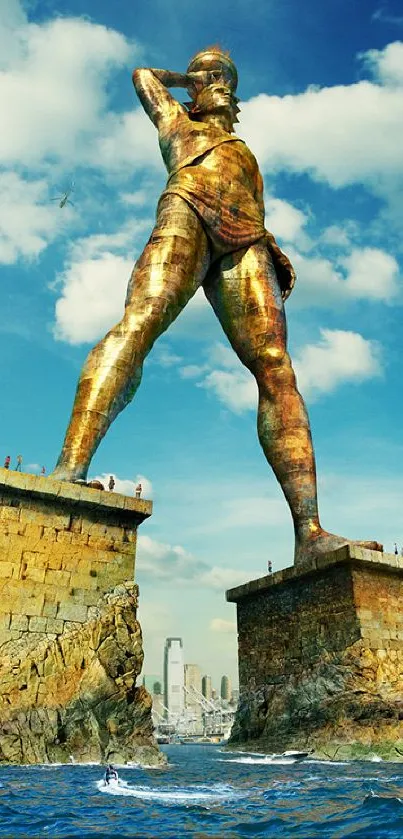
(193, 689)
(235, 696)
(206, 687)
(226, 688)
(173, 676)
(193, 679)
(151, 681)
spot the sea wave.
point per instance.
(216, 794)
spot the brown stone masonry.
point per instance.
(321, 656)
(61, 547)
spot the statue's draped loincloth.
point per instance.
(220, 186)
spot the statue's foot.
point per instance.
(62, 473)
(323, 542)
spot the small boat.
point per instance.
(292, 755)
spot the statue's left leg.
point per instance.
(243, 290)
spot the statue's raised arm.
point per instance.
(152, 85)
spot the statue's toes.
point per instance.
(372, 546)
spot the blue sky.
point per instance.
(321, 90)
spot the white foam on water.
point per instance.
(329, 762)
(266, 760)
(66, 764)
(190, 795)
(131, 764)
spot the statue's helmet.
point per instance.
(215, 59)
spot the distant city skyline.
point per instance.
(182, 678)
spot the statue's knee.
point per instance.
(273, 368)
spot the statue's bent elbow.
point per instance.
(138, 76)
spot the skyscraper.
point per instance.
(226, 688)
(206, 687)
(173, 676)
(193, 689)
(149, 682)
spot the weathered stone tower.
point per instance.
(321, 657)
(71, 645)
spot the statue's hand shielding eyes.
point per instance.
(202, 78)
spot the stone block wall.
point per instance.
(321, 655)
(61, 547)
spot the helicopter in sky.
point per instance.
(64, 198)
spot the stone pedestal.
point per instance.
(62, 545)
(71, 644)
(321, 657)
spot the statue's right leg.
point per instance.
(169, 272)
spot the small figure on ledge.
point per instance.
(139, 490)
(111, 483)
(19, 463)
(7, 462)
(209, 234)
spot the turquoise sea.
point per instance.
(205, 792)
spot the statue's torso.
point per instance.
(217, 175)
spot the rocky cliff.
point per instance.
(74, 696)
(321, 657)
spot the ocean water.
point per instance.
(205, 792)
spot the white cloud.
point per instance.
(339, 236)
(165, 357)
(223, 578)
(126, 486)
(387, 64)
(372, 274)
(134, 199)
(232, 383)
(253, 511)
(385, 17)
(128, 140)
(12, 18)
(337, 358)
(173, 564)
(222, 626)
(192, 371)
(157, 622)
(364, 273)
(236, 389)
(33, 467)
(93, 298)
(94, 284)
(287, 221)
(28, 221)
(344, 134)
(53, 86)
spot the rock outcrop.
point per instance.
(74, 696)
(321, 657)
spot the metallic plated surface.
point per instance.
(209, 232)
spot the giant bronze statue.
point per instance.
(209, 232)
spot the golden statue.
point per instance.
(209, 232)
